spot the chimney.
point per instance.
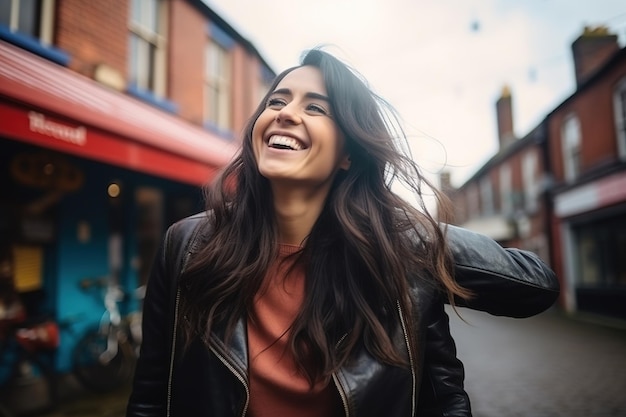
(504, 115)
(592, 49)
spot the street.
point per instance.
(544, 366)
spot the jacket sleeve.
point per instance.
(441, 391)
(149, 394)
(505, 281)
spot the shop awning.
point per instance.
(51, 106)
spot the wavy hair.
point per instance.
(360, 257)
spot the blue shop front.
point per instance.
(90, 180)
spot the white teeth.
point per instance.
(285, 142)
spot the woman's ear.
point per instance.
(345, 162)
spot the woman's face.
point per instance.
(295, 139)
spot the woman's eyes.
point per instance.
(317, 109)
(278, 103)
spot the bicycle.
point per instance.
(105, 356)
(28, 377)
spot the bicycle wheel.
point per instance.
(98, 374)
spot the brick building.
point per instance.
(505, 199)
(560, 191)
(588, 164)
(112, 115)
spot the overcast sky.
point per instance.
(441, 63)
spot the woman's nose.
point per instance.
(288, 114)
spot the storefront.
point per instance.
(90, 180)
(592, 219)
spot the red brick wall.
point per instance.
(93, 32)
(96, 32)
(594, 109)
(188, 38)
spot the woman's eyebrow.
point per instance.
(312, 95)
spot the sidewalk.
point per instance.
(90, 404)
(550, 365)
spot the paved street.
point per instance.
(544, 366)
(89, 404)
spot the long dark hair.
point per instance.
(360, 256)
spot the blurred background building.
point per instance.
(112, 115)
(560, 190)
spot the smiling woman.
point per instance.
(308, 287)
(299, 148)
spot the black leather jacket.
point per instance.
(214, 382)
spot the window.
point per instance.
(472, 202)
(600, 267)
(147, 46)
(486, 196)
(571, 139)
(29, 24)
(29, 17)
(529, 173)
(266, 76)
(619, 106)
(217, 87)
(506, 195)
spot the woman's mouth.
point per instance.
(284, 142)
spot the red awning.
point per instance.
(51, 106)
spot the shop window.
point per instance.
(589, 266)
(217, 85)
(571, 141)
(600, 272)
(147, 48)
(600, 247)
(619, 106)
(29, 24)
(28, 267)
(149, 228)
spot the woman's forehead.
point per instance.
(303, 79)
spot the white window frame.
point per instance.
(473, 203)
(619, 108)
(486, 196)
(506, 187)
(46, 22)
(529, 176)
(141, 71)
(218, 87)
(571, 141)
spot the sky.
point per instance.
(442, 64)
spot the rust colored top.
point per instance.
(277, 388)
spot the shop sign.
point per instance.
(39, 129)
(598, 194)
(39, 123)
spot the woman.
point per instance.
(309, 288)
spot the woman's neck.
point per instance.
(296, 213)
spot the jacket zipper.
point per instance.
(175, 333)
(237, 375)
(411, 359)
(173, 355)
(342, 392)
